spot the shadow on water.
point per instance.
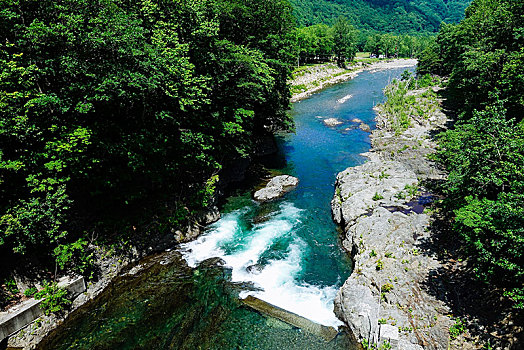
(168, 305)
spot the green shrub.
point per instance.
(383, 175)
(412, 189)
(387, 287)
(457, 329)
(11, 287)
(377, 196)
(55, 298)
(29, 292)
(76, 257)
(385, 345)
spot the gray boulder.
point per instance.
(276, 188)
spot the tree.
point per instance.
(484, 154)
(344, 39)
(485, 160)
(121, 114)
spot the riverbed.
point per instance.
(285, 252)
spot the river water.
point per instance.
(286, 252)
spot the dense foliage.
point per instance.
(389, 45)
(385, 16)
(484, 58)
(320, 42)
(54, 298)
(112, 111)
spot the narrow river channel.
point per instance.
(285, 252)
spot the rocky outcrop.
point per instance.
(379, 206)
(332, 122)
(364, 127)
(276, 187)
(363, 188)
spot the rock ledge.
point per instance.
(386, 298)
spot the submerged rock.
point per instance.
(328, 333)
(364, 127)
(255, 269)
(276, 188)
(344, 99)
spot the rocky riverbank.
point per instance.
(390, 298)
(111, 261)
(109, 264)
(310, 79)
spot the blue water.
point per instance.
(286, 252)
(293, 254)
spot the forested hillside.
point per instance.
(398, 16)
(484, 154)
(117, 116)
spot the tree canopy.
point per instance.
(483, 56)
(384, 16)
(115, 112)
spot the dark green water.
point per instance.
(285, 252)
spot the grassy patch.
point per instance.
(401, 108)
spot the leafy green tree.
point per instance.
(485, 160)
(344, 40)
(484, 154)
(119, 115)
(483, 54)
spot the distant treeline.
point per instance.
(317, 43)
(384, 16)
(483, 56)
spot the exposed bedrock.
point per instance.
(391, 271)
(391, 296)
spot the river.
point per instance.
(285, 252)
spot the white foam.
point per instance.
(278, 278)
(344, 99)
(281, 289)
(209, 244)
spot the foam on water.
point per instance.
(279, 278)
(344, 99)
(210, 244)
(281, 288)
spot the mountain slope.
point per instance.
(400, 16)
